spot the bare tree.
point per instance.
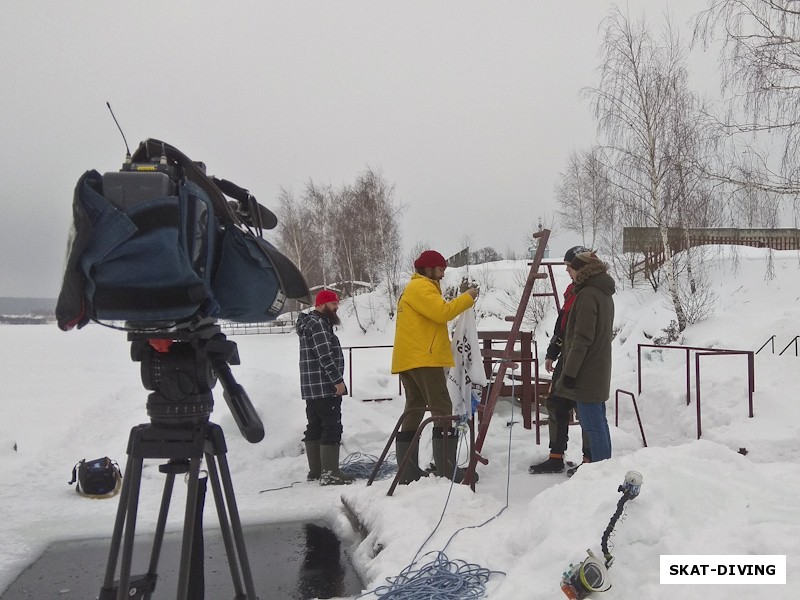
(346, 237)
(622, 213)
(537, 306)
(382, 237)
(317, 208)
(760, 62)
(640, 102)
(584, 194)
(298, 238)
(415, 251)
(362, 235)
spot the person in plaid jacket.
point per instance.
(322, 387)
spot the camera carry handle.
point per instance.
(248, 208)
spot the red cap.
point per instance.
(430, 258)
(325, 296)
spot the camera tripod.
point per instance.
(182, 368)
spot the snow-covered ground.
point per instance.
(68, 396)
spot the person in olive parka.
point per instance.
(586, 351)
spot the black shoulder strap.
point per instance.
(151, 149)
(250, 213)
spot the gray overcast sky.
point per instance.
(469, 108)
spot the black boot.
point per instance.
(554, 464)
(402, 446)
(445, 447)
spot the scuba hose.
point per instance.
(591, 575)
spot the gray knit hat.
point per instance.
(582, 259)
(570, 254)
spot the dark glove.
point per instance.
(569, 382)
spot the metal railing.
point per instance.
(350, 367)
(635, 407)
(771, 342)
(231, 328)
(794, 341)
(751, 379)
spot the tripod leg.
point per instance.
(161, 525)
(135, 470)
(116, 537)
(236, 524)
(219, 502)
(188, 530)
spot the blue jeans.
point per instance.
(592, 416)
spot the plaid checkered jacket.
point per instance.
(321, 357)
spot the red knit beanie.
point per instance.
(325, 296)
(430, 258)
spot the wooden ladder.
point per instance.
(506, 357)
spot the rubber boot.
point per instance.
(445, 447)
(314, 461)
(402, 446)
(554, 464)
(329, 459)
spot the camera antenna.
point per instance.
(127, 150)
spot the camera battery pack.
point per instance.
(125, 189)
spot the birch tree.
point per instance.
(643, 84)
(760, 67)
(584, 195)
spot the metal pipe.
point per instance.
(635, 408)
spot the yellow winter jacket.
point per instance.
(420, 337)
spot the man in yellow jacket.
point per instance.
(421, 355)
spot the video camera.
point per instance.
(162, 250)
(160, 245)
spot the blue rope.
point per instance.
(442, 578)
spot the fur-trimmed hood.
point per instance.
(595, 274)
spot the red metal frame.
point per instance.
(751, 383)
(468, 479)
(526, 356)
(635, 407)
(751, 377)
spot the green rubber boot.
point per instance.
(314, 461)
(331, 475)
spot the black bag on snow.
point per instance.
(158, 244)
(98, 478)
